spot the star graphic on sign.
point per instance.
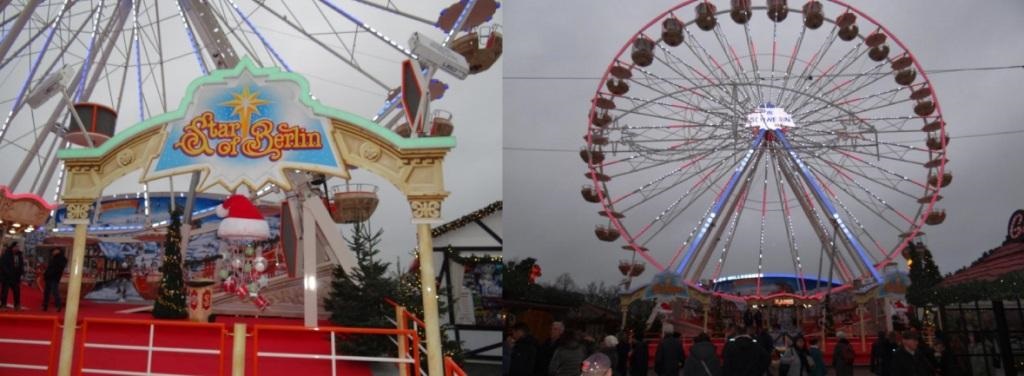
(244, 104)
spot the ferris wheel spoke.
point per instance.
(675, 91)
(669, 95)
(648, 154)
(673, 211)
(861, 162)
(852, 141)
(826, 234)
(764, 215)
(828, 183)
(324, 46)
(845, 173)
(730, 236)
(693, 44)
(791, 63)
(699, 243)
(686, 163)
(841, 225)
(34, 66)
(791, 240)
(735, 63)
(726, 193)
(878, 214)
(704, 88)
(755, 69)
(847, 101)
(714, 82)
(811, 64)
(399, 12)
(818, 86)
(736, 206)
(234, 29)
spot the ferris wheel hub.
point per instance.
(769, 117)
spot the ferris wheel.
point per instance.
(744, 139)
(132, 59)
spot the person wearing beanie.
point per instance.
(669, 357)
(843, 356)
(597, 365)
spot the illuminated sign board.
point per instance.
(246, 127)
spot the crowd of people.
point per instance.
(752, 351)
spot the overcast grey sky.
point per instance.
(472, 169)
(547, 219)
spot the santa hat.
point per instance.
(242, 221)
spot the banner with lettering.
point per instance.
(246, 129)
(666, 286)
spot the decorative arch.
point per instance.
(413, 165)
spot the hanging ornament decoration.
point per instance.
(241, 226)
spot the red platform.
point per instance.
(39, 327)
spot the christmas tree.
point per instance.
(357, 298)
(170, 303)
(924, 276)
(409, 295)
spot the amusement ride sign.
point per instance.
(1015, 229)
(247, 128)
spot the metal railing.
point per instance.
(333, 355)
(6, 338)
(150, 349)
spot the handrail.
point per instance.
(150, 349)
(451, 368)
(51, 343)
(333, 356)
(408, 314)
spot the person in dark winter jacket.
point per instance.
(547, 349)
(622, 352)
(669, 357)
(568, 357)
(638, 355)
(843, 356)
(743, 356)
(908, 360)
(702, 360)
(881, 352)
(54, 271)
(524, 351)
(818, 357)
(765, 340)
(12, 266)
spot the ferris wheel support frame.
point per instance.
(81, 91)
(19, 24)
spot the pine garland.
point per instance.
(170, 303)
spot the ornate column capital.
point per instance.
(426, 208)
(77, 211)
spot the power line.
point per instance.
(564, 150)
(931, 72)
